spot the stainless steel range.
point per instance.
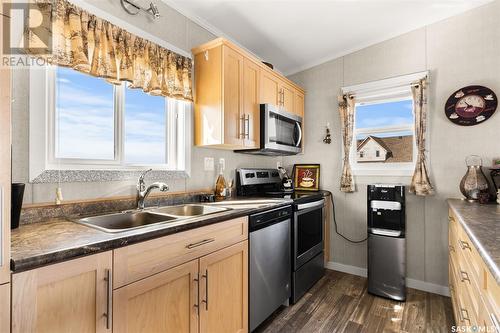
(296, 245)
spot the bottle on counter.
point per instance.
(220, 184)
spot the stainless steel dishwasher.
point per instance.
(270, 263)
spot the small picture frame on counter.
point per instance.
(306, 177)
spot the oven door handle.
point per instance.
(314, 204)
(299, 129)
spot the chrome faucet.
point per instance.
(143, 190)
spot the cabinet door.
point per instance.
(233, 101)
(269, 89)
(288, 97)
(251, 106)
(165, 302)
(5, 307)
(224, 290)
(298, 107)
(73, 296)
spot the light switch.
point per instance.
(209, 164)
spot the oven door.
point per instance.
(308, 232)
(282, 130)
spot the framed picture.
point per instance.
(306, 177)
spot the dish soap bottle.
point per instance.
(220, 184)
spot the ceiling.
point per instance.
(298, 34)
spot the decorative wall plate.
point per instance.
(471, 105)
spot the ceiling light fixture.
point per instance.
(133, 8)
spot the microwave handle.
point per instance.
(297, 124)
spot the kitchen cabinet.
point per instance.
(475, 294)
(5, 307)
(164, 302)
(224, 290)
(230, 84)
(191, 281)
(251, 105)
(270, 89)
(73, 296)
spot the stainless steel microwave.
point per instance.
(280, 132)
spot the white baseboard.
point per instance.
(411, 283)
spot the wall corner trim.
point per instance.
(410, 283)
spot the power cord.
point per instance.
(335, 223)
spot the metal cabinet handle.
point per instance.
(464, 276)
(200, 243)
(241, 127)
(197, 305)
(247, 126)
(109, 308)
(464, 245)
(466, 318)
(205, 276)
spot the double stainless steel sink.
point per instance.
(130, 220)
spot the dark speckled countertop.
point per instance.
(39, 244)
(482, 224)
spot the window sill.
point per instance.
(68, 176)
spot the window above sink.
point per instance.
(82, 123)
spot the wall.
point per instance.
(173, 28)
(457, 55)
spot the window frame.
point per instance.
(42, 110)
(383, 91)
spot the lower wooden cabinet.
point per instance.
(475, 294)
(5, 307)
(164, 302)
(224, 290)
(209, 295)
(72, 296)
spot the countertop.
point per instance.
(482, 225)
(57, 240)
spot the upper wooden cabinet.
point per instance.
(73, 296)
(230, 85)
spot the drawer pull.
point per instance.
(464, 276)
(466, 317)
(464, 245)
(200, 243)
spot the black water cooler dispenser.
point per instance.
(387, 241)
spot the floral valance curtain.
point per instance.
(91, 45)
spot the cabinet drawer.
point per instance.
(138, 261)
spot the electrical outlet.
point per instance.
(222, 163)
(209, 164)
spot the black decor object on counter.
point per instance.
(16, 203)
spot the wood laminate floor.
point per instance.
(340, 302)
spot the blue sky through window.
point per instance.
(85, 116)
(398, 113)
(145, 128)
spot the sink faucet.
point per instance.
(143, 190)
